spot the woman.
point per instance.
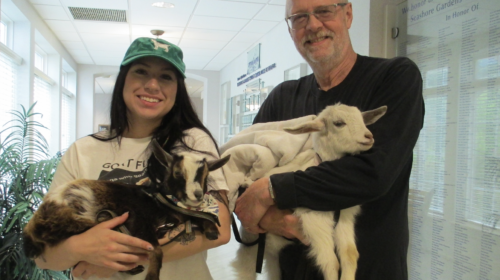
(150, 101)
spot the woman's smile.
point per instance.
(149, 99)
(150, 91)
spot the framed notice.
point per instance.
(253, 59)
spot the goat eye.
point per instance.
(339, 123)
(177, 174)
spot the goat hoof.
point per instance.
(212, 235)
(136, 270)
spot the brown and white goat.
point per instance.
(339, 130)
(76, 207)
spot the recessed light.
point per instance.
(163, 5)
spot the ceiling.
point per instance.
(210, 32)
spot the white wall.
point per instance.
(102, 106)
(277, 47)
(360, 28)
(210, 96)
(198, 106)
(92, 109)
(379, 31)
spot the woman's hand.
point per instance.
(84, 270)
(99, 245)
(105, 247)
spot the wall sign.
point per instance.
(256, 74)
(253, 59)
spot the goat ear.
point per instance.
(372, 116)
(218, 163)
(311, 126)
(163, 157)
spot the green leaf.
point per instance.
(26, 171)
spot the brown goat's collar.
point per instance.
(209, 204)
(208, 212)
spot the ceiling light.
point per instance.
(157, 32)
(163, 5)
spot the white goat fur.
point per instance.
(337, 131)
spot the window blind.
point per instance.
(8, 70)
(67, 120)
(42, 97)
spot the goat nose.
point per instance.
(198, 194)
(369, 136)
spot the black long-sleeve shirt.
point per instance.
(377, 179)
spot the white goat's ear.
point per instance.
(372, 116)
(163, 157)
(218, 163)
(311, 126)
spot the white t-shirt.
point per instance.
(89, 158)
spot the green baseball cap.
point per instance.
(144, 46)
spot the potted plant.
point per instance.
(26, 171)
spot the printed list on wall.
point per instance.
(454, 204)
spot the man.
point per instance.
(378, 179)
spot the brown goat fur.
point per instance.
(72, 209)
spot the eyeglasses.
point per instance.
(323, 13)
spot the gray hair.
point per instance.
(288, 6)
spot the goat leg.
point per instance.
(51, 224)
(346, 243)
(210, 230)
(318, 229)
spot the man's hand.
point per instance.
(253, 204)
(283, 223)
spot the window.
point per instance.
(8, 70)
(483, 184)
(6, 30)
(67, 119)
(427, 177)
(64, 79)
(9, 62)
(454, 205)
(42, 97)
(40, 60)
(68, 106)
(3, 33)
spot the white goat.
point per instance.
(337, 131)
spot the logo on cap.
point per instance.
(160, 45)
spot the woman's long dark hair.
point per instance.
(169, 134)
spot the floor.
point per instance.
(219, 261)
